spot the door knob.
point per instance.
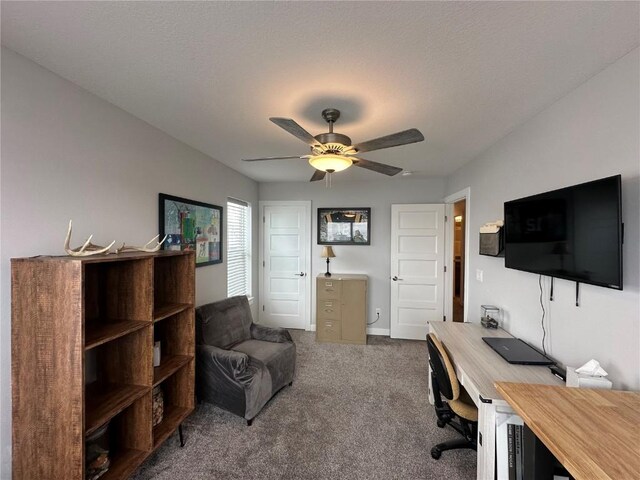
(395, 279)
(301, 274)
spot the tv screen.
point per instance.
(573, 233)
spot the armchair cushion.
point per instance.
(278, 358)
(224, 323)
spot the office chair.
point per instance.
(444, 383)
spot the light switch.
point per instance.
(479, 275)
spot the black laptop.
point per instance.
(514, 350)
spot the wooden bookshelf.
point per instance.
(83, 330)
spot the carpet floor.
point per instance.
(353, 412)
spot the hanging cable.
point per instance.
(544, 332)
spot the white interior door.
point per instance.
(417, 269)
(285, 245)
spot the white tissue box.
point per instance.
(580, 380)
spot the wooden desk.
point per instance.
(478, 367)
(593, 433)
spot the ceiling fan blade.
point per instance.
(296, 130)
(270, 158)
(317, 175)
(405, 137)
(376, 167)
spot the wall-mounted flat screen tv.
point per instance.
(574, 233)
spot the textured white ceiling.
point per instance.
(211, 73)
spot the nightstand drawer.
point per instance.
(328, 330)
(329, 289)
(329, 310)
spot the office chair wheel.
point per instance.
(441, 423)
(435, 453)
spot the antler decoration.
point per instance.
(147, 246)
(87, 249)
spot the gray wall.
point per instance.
(373, 260)
(66, 154)
(591, 133)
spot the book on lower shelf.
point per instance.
(509, 451)
(518, 451)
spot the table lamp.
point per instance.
(327, 252)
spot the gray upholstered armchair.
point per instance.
(240, 365)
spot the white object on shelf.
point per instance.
(156, 354)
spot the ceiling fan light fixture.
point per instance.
(330, 162)
(333, 152)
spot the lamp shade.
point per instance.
(330, 162)
(327, 252)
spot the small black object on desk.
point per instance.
(559, 372)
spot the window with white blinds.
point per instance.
(238, 248)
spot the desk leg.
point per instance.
(486, 441)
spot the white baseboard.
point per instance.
(378, 331)
(370, 331)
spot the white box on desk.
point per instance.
(580, 380)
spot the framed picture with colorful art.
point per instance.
(192, 225)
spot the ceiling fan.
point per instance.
(332, 152)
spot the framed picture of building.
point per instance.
(192, 225)
(344, 226)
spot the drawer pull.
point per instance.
(328, 284)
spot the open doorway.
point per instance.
(459, 240)
(456, 296)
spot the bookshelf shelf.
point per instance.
(168, 366)
(110, 330)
